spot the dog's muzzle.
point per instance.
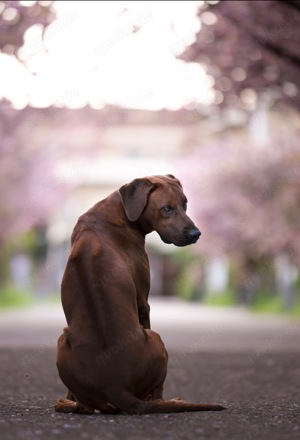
(193, 235)
(189, 237)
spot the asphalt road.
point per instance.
(249, 364)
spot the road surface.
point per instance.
(249, 363)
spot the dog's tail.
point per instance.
(173, 406)
(132, 405)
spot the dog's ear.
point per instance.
(134, 197)
(174, 178)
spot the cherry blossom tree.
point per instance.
(16, 18)
(249, 47)
(245, 198)
(25, 200)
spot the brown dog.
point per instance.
(108, 357)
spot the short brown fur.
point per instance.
(107, 356)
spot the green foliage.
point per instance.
(268, 303)
(185, 287)
(188, 286)
(274, 304)
(11, 297)
(224, 299)
(295, 312)
(263, 303)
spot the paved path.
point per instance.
(251, 364)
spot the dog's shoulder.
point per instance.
(85, 241)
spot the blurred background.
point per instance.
(95, 94)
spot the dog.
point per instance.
(107, 357)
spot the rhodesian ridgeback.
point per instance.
(107, 356)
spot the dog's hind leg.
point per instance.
(70, 396)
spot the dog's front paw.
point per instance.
(69, 406)
(65, 406)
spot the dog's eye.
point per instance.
(167, 208)
(185, 206)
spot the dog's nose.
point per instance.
(194, 234)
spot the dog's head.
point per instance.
(158, 203)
